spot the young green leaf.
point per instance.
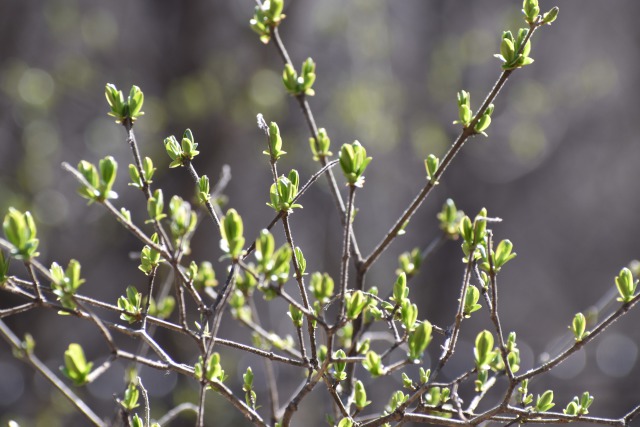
(76, 367)
(626, 285)
(579, 327)
(373, 364)
(544, 402)
(131, 395)
(431, 164)
(360, 396)
(419, 339)
(354, 161)
(231, 229)
(20, 231)
(471, 297)
(483, 350)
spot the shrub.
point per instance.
(331, 349)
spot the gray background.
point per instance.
(560, 165)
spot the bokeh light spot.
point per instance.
(527, 141)
(616, 355)
(36, 87)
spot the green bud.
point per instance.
(409, 314)
(147, 169)
(136, 180)
(531, 10)
(544, 402)
(265, 247)
(231, 229)
(308, 77)
(419, 339)
(339, 366)
(355, 303)
(464, 108)
(507, 49)
(131, 304)
(108, 168)
(174, 151)
(76, 367)
(550, 16)
(431, 164)
(409, 262)
(360, 396)
(503, 254)
(290, 79)
(116, 102)
(373, 364)
(302, 262)
(134, 102)
(450, 218)
(20, 231)
(131, 395)
(155, 206)
(484, 121)
(626, 285)
(4, 268)
(284, 192)
(424, 375)
(483, 350)
(354, 161)
(320, 146)
(275, 143)
(188, 146)
(471, 297)
(400, 290)
(483, 124)
(90, 174)
(204, 189)
(397, 399)
(571, 409)
(296, 315)
(247, 378)
(579, 326)
(149, 257)
(322, 287)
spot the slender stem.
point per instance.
(219, 305)
(196, 180)
(17, 309)
(272, 388)
(303, 293)
(150, 281)
(344, 266)
(34, 280)
(495, 318)
(146, 188)
(145, 398)
(203, 394)
(336, 398)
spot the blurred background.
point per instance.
(560, 166)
